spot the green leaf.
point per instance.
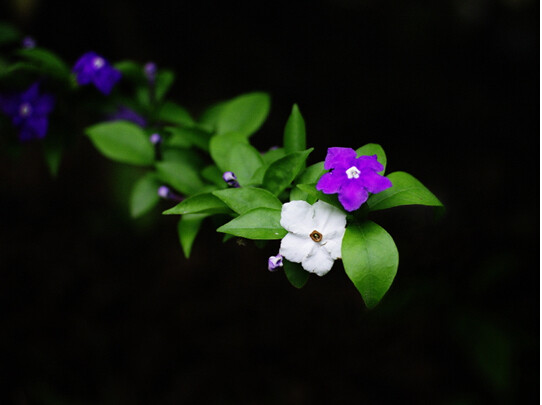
(310, 190)
(130, 70)
(186, 137)
(244, 199)
(295, 274)
(46, 61)
(53, 155)
(258, 223)
(244, 114)
(281, 173)
(122, 141)
(164, 80)
(144, 195)
(244, 160)
(183, 155)
(214, 175)
(175, 114)
(273, 154)
(297, 194)
(294, 132)
(187, 229)
(199, 203)
(220, 148)
(374, 149)
(311, 174)
(8, 34)
(370, 260)
(405, 190)
(181, 176)
(209, 118)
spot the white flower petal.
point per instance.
(333, 245)
(295, 247)
(329, 220)
(297, 217)
(318, 261)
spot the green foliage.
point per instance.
(244, 199)
(199, 203)
(144, 195)
(295, 274)
(294, 132)
(258, 223)
(370, 260)
(405, 190)
(122, 141)
(244, 114)
(187, 229)
(173, 113)
(8, 34)
(46, 62)
(164, 80)
(281, 173)
(374, 149)
(187, 137)
(181, 176)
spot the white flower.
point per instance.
(315, 234)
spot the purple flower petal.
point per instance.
(330, 183)
(105, 78)
(337, 158)
(352, 195)
(375, 183)
(364, 163)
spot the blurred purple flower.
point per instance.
(167, 194)
(28, 43)
(150, 70)
(274, 262)
(231, 179)
(127, 114)
(92, 68)
(353, 178)
(29, 112)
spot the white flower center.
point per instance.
(316, 236)
(98, 63)
(353, 172)
(25, 110)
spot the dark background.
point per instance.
(99, 308)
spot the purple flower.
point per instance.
(352, 177)
(150, 70)
(29, 112)
(231, 179)
(93, 68)
(274, 262)
(28, 43)
(127, 114)
(155, 139)
(167, 194)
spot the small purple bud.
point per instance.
(167, 194)
(231, 179)
(28, 43)
(274, 262)
(155, 139)
(150, 70)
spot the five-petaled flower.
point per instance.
(315, 234)
(29, 112)
(352, 177)
(92, 68)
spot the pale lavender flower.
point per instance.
(28, 42)
(92, 68)
(155, 139)
(231, 179)
(167, 194)
(274, 262)
(352, 177)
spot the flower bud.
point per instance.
(231, 179)
(274, 262)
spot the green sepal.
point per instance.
(258, 223)
(370, 260)
(295, 274)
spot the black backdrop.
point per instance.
(98, 308)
